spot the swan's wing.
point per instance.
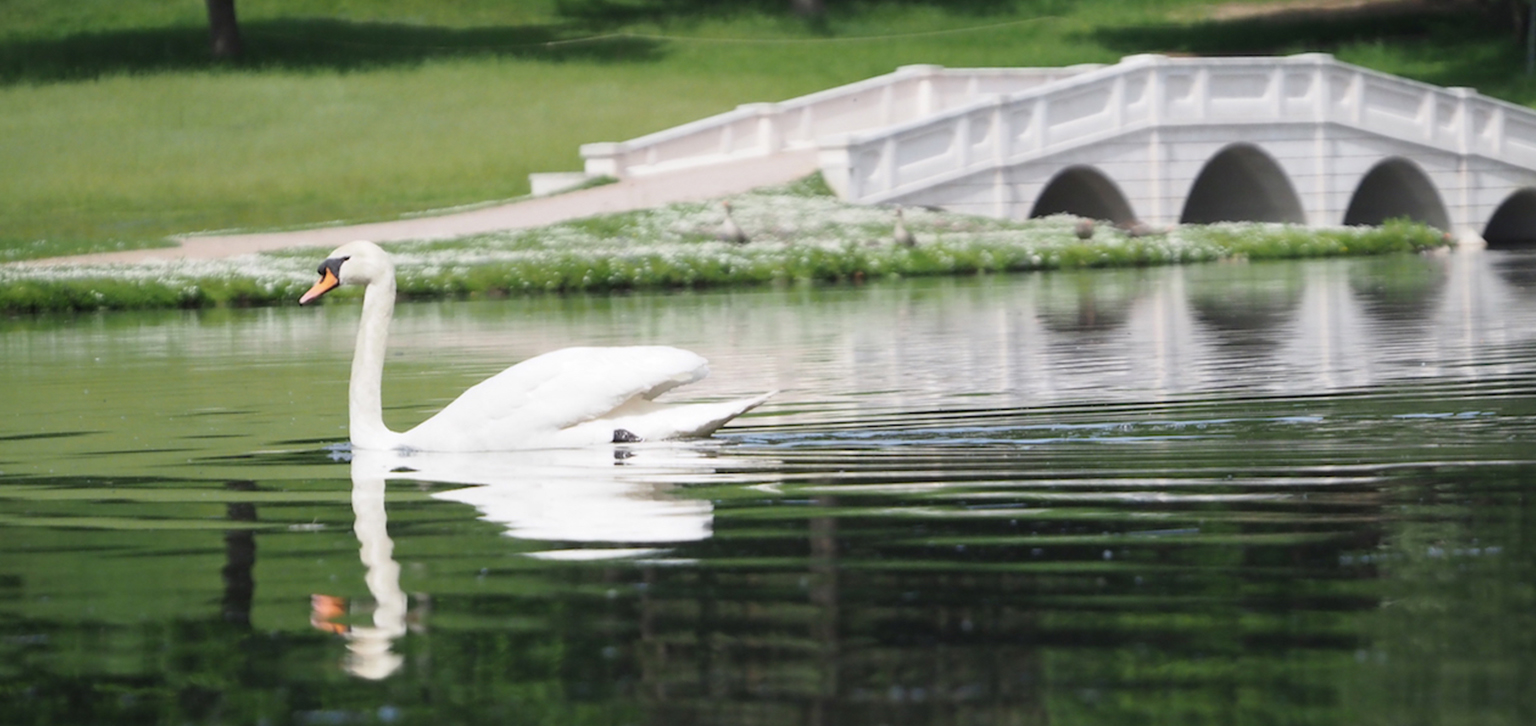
(553, 391)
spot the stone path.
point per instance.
(692, 185)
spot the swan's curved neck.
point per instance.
(365, 400)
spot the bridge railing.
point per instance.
(1155, 91)
(760, 129)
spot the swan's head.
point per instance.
(354, 263)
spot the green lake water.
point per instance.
(1280, 493)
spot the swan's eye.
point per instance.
(333, 264)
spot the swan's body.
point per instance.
(570, 397)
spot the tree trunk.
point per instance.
(812, 9)
(224, 28)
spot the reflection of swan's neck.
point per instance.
(366, 405)
(371, 655)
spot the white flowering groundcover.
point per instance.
(797, 235)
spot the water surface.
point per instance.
(1292, 493)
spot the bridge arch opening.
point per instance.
(1514, 223)
(1393, 188)
(1085, 192)
(1242, 184)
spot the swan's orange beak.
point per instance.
(327, 283)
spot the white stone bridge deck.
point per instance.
(1301, 139)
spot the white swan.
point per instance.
(567, 398)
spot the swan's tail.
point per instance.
(705, 418)
(650, 421)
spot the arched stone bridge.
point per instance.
(1302, 139)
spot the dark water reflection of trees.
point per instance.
(1316, 555)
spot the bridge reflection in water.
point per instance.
(1126, 335)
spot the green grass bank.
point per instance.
(116, 129)
(800, 235)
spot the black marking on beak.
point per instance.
(333, 264)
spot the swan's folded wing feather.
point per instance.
(653, 421)
(559, 389)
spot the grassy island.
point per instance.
(800, 234)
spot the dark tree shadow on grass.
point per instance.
(1283, 32)
(617, 13)
(587, 30)
(1462, 46)
(302, 44)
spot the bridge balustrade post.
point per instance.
(888, 158)
(1042, 119)
(1277, 87)
(1155, 102)
(925, 104)
(1203, 93)
(1463, 122)
(603, 158)
(962, 142)
(916, 81)
(725, 138)
(1427, 113)
(835, 156)
(1321, 91)
(1357, 97)
(1002, 122)
(1496, 131)
(1322, 161)
(769, 140)
(1464, 144)
(1117, 103)
(1002, 125)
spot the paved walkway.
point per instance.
(652, 191)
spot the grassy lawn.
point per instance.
(116, 130)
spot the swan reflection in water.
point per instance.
(591, 496)
(585, 496)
